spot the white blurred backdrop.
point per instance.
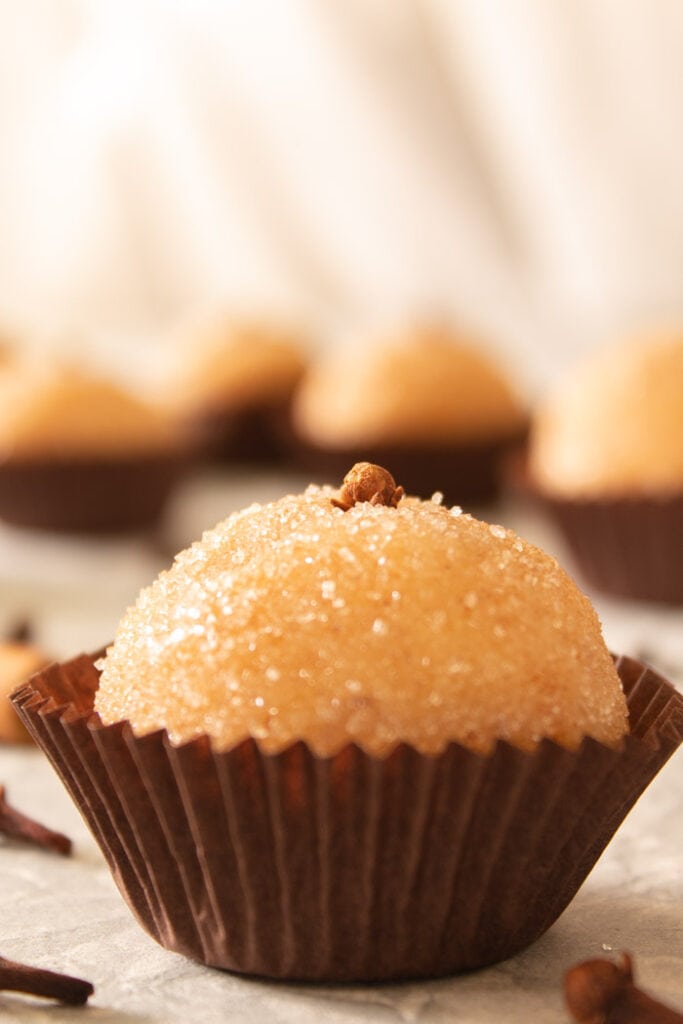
(514, 163)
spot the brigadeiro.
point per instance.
(354, 735)
(606, 458)
(425, 400)
(80, 454)
(232, 382)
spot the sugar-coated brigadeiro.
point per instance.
(614, 428)
(606, 462)
(80, 454)
(423, 385)
(323, 629)
(235, 363)
(426, 400)
(52, 412)
(367, 623)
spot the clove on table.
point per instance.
(16, 825)
(35, 981)
(604, 992)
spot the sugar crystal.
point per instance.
(498, 531)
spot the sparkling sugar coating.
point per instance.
(298, 620)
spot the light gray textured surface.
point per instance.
(66, 914)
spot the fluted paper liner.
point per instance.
(350, 867)
(89, 495)
(247, 436)
(630, 547)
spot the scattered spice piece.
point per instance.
(367, 482)
(34, 981)
(16, 825)
(603, 992)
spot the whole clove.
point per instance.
(34, 981)
(368, 482)
(604, 992)
(16, 825)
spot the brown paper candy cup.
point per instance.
(630, 547)
(248, 436)
(98, 496)
(349, 867)
(467, 474)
